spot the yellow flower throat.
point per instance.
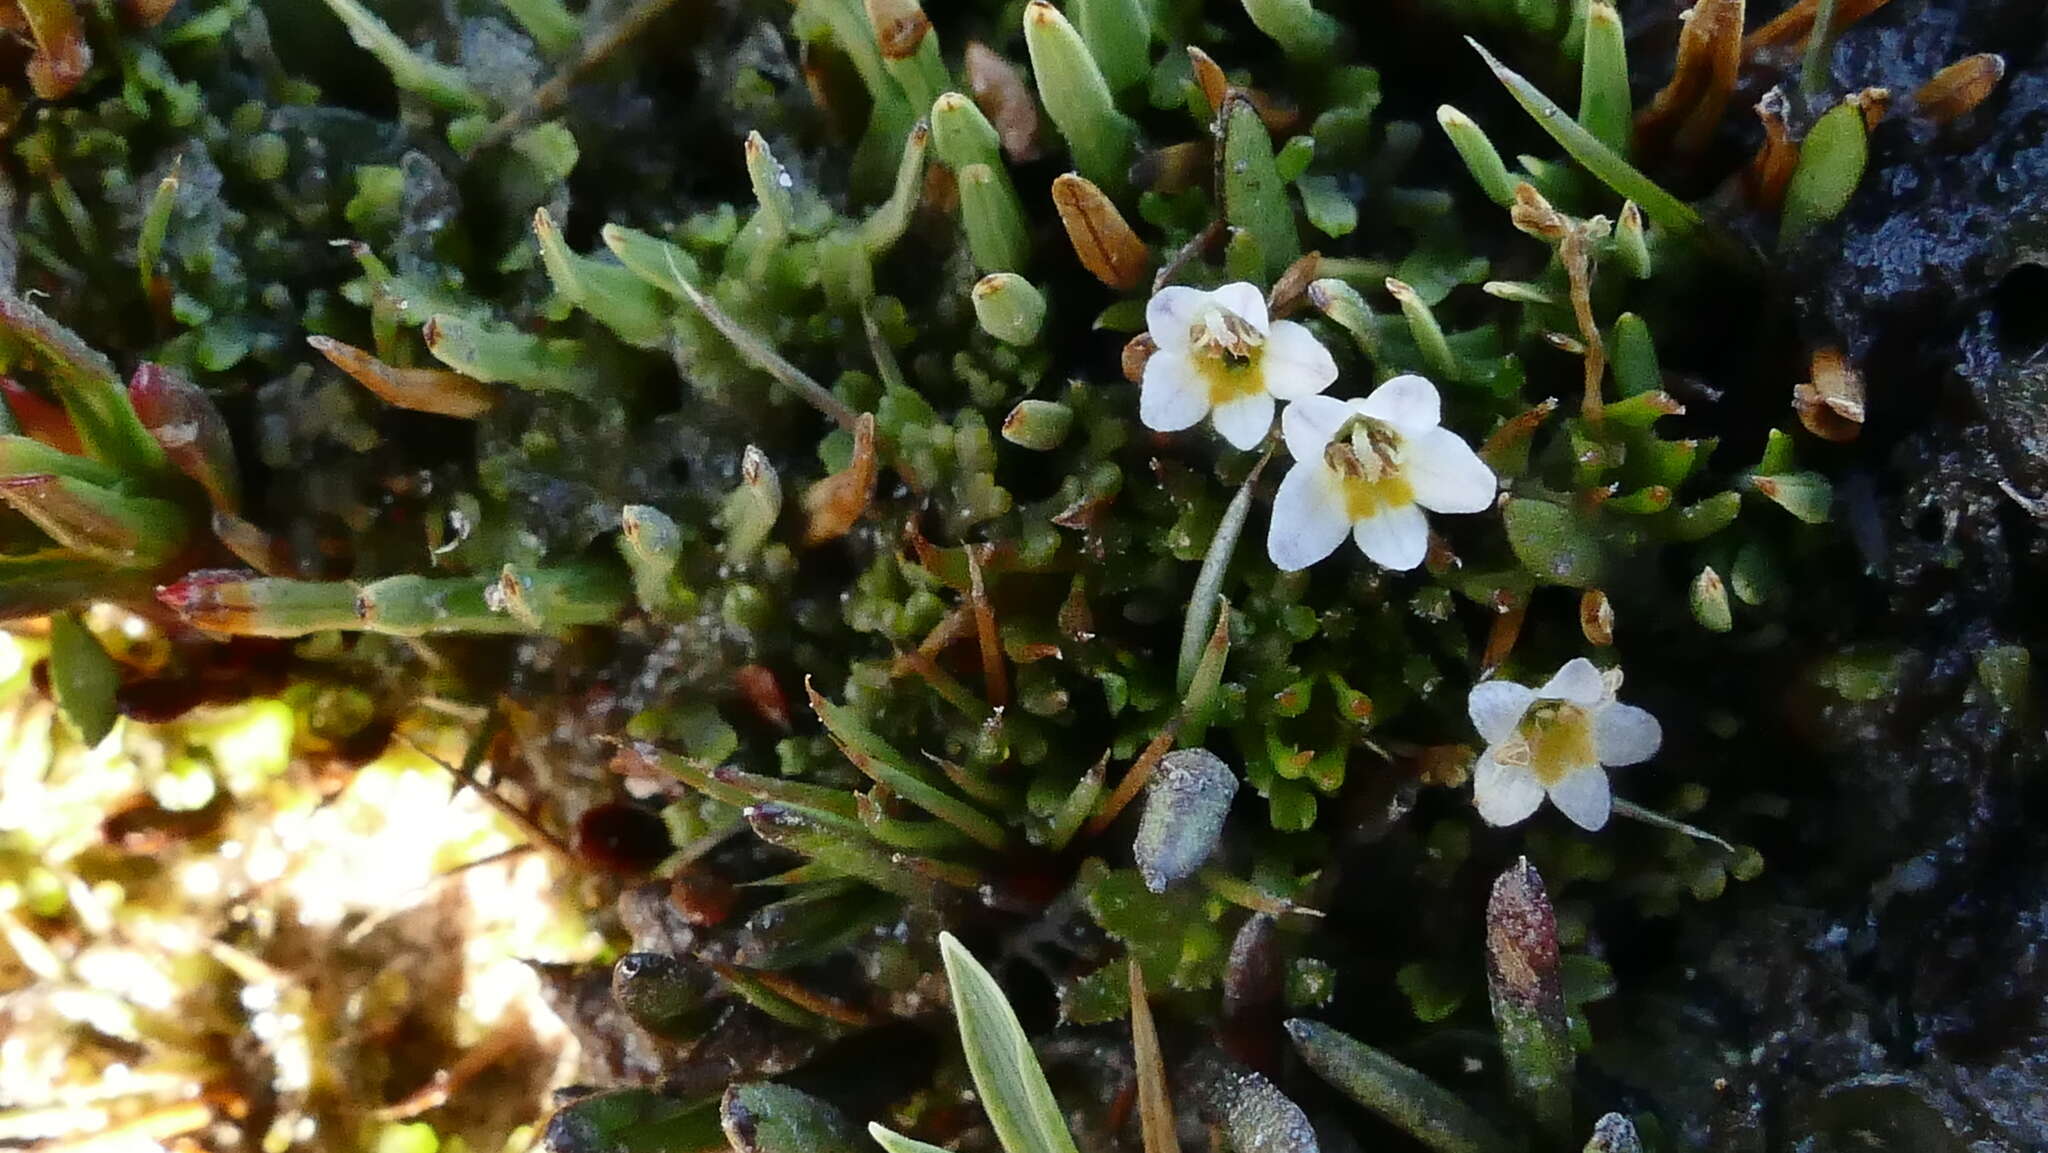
(1368, 462)
(1559, 736)
(1227, 354)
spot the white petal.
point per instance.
(1309, 521)
(1246, 301)
(1584, 798)
(1172, 397)
(1446, 474)
(1578, 682)
(1625, 734)
(1505, 794)
(1171, 313)
(1497, 708)
(1295, 363)
(1308, 424)
(1408, 402)
(1398, 538)
(1245, 421)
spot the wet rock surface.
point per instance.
(1883, 988)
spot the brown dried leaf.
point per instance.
(1770, 170)
(1004, 96)
(835, 503)
(1502, 635)
(1960, 87)
(1155, 1107)
(1831, 404)
(1174, 168)
(1291, 290)
(1682, 117)
(995, 676)
(147, 13)
(61, 54)
(900, 27)
(1575, 251)
(1533, 214)
(1136, 354)
(1795, 24)
(1873, 103)
(432, 390)
(1596, 617)
(1209, 77)
(1101, 237)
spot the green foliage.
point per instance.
(745, 412)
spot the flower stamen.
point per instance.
(1224, 335)
(1559, 736)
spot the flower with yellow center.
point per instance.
(1556, 741)
(1368, 468)
(1219, 356)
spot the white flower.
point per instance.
(1368, 468)
(1556, 740)
(1217, 353)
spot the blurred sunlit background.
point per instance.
(216, 935)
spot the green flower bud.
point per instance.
(1009, 308)
(1709, 597)
(1039, 425)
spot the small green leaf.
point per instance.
(1254, 199)
(764, 1117)
(1014, 1092)
(1552, 544)
(1831, 160)
(1327, 208)
(893, 1142)
(1704, 518)
(84, 678)
(1805, 495)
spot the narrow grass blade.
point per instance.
(1013, 1088)
(1613, 171)
(1201, 618)
(874, 757)
(1410, 1101)
(1155, 1107)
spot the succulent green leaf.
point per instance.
(1604, 108)
(83, 677)
(763, 1117)
(1119, 36)
(1295, 25)
(1831, 161)
(1254, 196)
(1552, 543)
(1077, 98)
